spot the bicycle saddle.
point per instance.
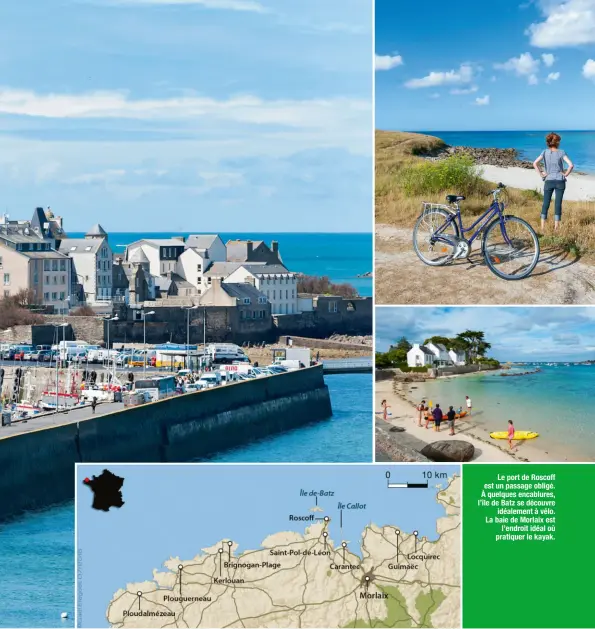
(451, 198)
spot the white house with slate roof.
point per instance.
(92, 262)
(457, 358)
(440, 353)
(420, 356)
(273, 280)
(199, 256)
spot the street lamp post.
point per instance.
(108, 319)
(188, 309)
(145, 315)
(58, 356)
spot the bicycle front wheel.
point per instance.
(429, 250)
(511, 251)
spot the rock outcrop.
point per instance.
(449, 451)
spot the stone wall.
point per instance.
(303, 341)
(38, 466)
(353, 316)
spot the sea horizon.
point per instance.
(578, 144)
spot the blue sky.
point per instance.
(516, 334)
(479, 66)
(196, 115)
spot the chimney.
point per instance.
(182, 238)
(275, 246)
(249, 279)
(250, 249)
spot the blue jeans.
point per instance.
(548, 189)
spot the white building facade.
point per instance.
(420, 356)
(273, 280)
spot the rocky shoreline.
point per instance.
(486, 156)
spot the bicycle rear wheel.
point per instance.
(428, 250)
(511, 252)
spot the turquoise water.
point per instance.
(37, 551)
(556, 402)
(37, 569)
(580, 145)
(339, 256)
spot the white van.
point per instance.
(210, 380)
(228, 376)
(226, 353)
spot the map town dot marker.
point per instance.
(220, 560)
(325, 535)
(180, 568)
(139, 594)
(397, 533)
(229, 545)
(326, 518)
(344, 544)
(416, 533)
(367, 581)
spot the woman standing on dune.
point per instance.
(554, 176)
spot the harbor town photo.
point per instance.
(484, 384)
(185, 252)
(485, 170)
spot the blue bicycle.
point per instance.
(510, 245)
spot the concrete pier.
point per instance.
(37, 457)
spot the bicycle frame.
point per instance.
(495, 209)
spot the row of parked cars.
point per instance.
(188, 382)
(40, 353)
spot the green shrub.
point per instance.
(406, 369)
(455, 175)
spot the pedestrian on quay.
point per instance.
(94, 404)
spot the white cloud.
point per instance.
(548, 59)
(482, 100)
(566, 23)
(552, 76)
(230, 5)
(453, 77)
(387, 62)
(589, 69)
(248, 109)
(523, 65)
(466, 90)
(533, 80)
(104, 177)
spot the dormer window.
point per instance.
(247, 301)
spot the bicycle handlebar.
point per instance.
(500, 187)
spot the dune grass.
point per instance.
(404, 181)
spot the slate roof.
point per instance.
(81, 245)
(242, 290)
(96, 231)
(266, 269)
(201, 241)
(425, 350)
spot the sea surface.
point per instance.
(341, 257)
(37, 550)
(580, 145)
(556, 402)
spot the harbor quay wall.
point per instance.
(37, 467)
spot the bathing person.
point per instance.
(510, 433)
(420, 411)
(437, 413)
(469, 405)
(385, 408)
(451, 419)
(554, 176)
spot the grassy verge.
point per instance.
(404, 180)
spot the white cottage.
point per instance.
(420, 356)
(458, 358)
(440, 353)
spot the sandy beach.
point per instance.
(578, 187)
(403, 414)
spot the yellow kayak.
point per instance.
(518, 435)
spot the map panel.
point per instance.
(204, 545)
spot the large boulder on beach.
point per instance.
(449, 451)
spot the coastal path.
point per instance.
(402, 278)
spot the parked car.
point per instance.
(33, 356)
(19, 355)
(45, 356)
(79, 357)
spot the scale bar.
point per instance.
(407, 485)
